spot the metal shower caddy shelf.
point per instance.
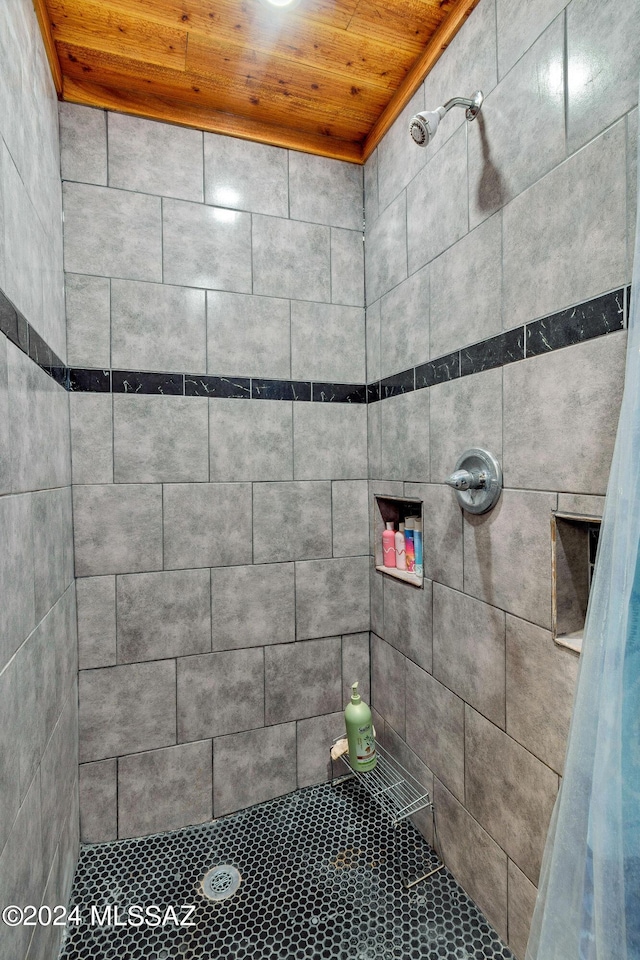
(398, 794)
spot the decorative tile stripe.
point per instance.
(585, 321)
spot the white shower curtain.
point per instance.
(588, 905)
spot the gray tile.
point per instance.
(32, 703)
(371, 206)
(10, 747)
(632, 186)
(465, 413)
(581, 386)
(22, 870)
(372, 336)
(435, 727)
(46, 938)
(157, 327)
(437, 213)
(245, 175)
(407, 620)
(154, 157)
(5, 461)
(88, 321)
(543, 225)
(442, 532)
(508, 791)
(410, 761)
(294, 687)
(475, 860)
(541, 680)
(578, 503)
(91, 419)
(292, 521)
(83, 143)
(52, 548)
(56, 668)
(39, 426)
(347, 267)
(206, 246)
(465, 288)
(253, 767)
(356, 666)
(112, 233)
(327, 342)
(332, 597)
(506, 151)
(127, 709)
(376, 590)
(59, 775)
(517, 33)
(374, 439)
(388, 683)
(206, 524)
(250, 440)
(159, 439)
(469, 650)
(330, 441)
(96, 603)
(98, 801)
(252, 605)
(117, 529)
(313, 740)
(404, 324)
(515, 536)
(398, 159)
(386, 250)
(405, 436)
(291, 259)
(522, 900)
(322, 190)
(603, 55)
(163, 615)
(468, 64)
(165, 789)
(17, 574)
(248, 336)
(220, 693)
(350, 518)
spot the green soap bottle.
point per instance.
(362, 746)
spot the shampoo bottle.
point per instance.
(401, 562)
(362, 745)
(409, 544)
(417, 547)
(389, 546)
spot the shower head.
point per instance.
(423, 126)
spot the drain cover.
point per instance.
(221, 882)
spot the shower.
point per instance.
(423, 126)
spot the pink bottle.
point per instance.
(389, 546)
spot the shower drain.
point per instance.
(221, 882)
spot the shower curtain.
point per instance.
(588, 905)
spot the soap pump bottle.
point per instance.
(362, 745)
(389, 546)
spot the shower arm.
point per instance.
(473, 105)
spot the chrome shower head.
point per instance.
(423, 126)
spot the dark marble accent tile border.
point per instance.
(393, 386)
(373, 392)
(280, 389)
(339, 392)
(577, 324)
(20, 332)
(85, 380)
(237, 388)
(438, 371)
(132, 381)
(497, 351)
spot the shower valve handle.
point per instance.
(467, 480)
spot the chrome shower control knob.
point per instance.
(477, 480)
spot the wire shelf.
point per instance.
(393, 788)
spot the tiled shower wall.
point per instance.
(38, 663)
(525, 212)
(221, 534)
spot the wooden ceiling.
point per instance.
(328, 77)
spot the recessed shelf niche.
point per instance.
(396, 510)
(574, 542)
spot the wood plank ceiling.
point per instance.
(328, 77)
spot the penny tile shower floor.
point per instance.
(321, 877)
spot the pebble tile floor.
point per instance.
(322, 875)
